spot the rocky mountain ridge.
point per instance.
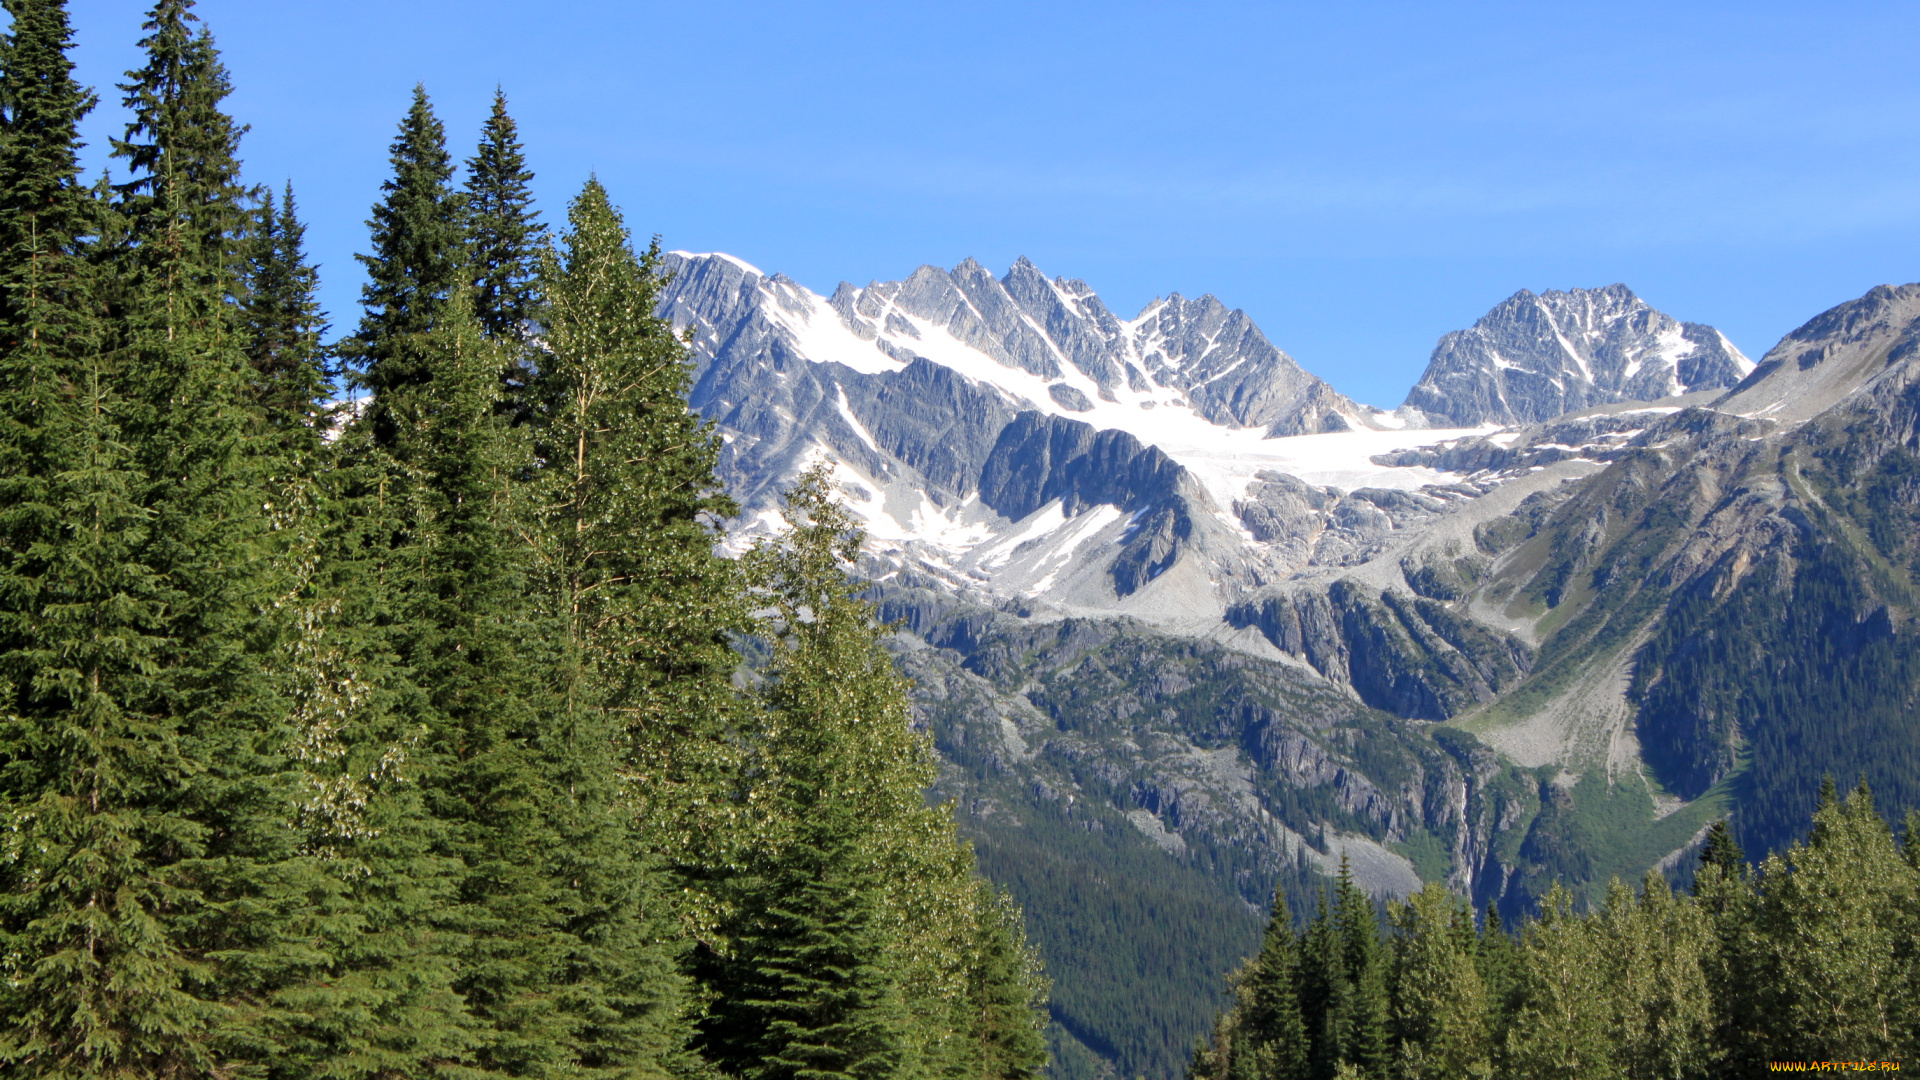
(1494, 656)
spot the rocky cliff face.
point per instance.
(1537, 356)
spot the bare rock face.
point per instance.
(1537, 356)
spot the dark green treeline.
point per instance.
(1814, 956)
(417, 736)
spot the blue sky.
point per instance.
(1361, 177)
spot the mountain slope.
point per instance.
(1537, 356)
(1170, 659)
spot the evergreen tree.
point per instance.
(1560, 1032)
(1270, 1041)
(45, 302)
(1723, 851)
(1835, 968)
(835, 790)
(145, 750)
(1006, 993)
(1326, 994)
(184, 199)
(810, 988)
(1439, 1002)
(602, 526)
(1498, 959)
(428, 591)
(418, 259)
(1365, 1023)
(283, 321)
(393, 938)
(625, 502)
(504, 231)
(1653, 953)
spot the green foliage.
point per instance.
(1830, 950)
(45, 215)
(1811, 959)
(859, 941)
(504, 233)
(283, 321)
(414, 750)
(418, 259)
(624, 512)
(155, 894)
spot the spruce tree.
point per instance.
(146, 746)
(283, 321)
(1366, 1035)
(394, 936)
(45, 306)
(626, 501)
(1561, 1030)
(835, 788)
(1498, 959)
(1722, 851)
(1439, 1005)
(565, 962)
(1836, 971)
(1006, 993)
(807, 987)
(408, 558)
(417, 263)
(504, 231)
(1326, 994)
(1270, 1039)
(184, 200)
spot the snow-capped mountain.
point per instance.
(1159, 586)
(1013, 437)
(1537, 356)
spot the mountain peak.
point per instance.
(1539, 355)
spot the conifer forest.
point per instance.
(380, 700)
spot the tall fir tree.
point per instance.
(283, 323)
(1326, 993)
(1366, 1036)
(406, 537)
(1271, 1040)
(505, 234)
(1439, 1004)
(808, 988)
(394, 935)
(470, 641)
(1497, 957)
(835, 791)
(1834, 960)
(1006, 994)
(627, 502)
(146, 744)
(45, 213)
(1723, 852)
(417, 263)
(591, 926)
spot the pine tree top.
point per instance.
(44, 210)
(184, 200)
(505, 233)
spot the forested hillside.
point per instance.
(411, 737)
